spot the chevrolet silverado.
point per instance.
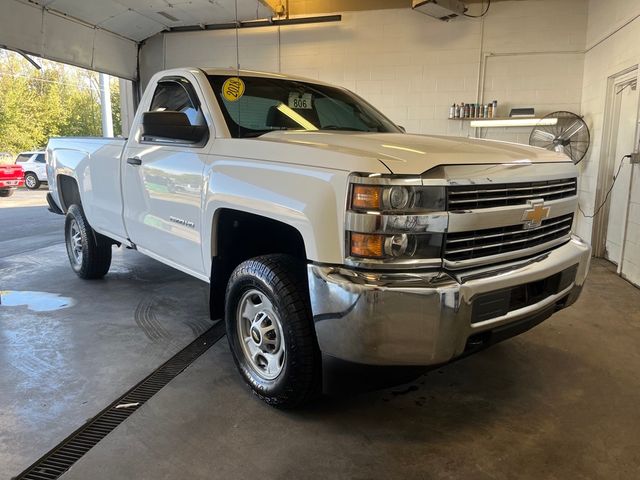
(321, 227)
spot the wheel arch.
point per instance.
(68, 192)
(237, 236)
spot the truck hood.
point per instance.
(409, 154)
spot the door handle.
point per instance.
(134, 161)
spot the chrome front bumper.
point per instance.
(426, 318)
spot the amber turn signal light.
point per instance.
(366, 197)
(368, 246)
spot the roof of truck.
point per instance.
(254, 73)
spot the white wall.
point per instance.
(414, 67)
(613, 45)
(549, 54)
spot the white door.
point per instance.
(623, 226)
(163, 183)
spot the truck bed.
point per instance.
(95, 164)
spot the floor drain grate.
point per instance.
(58, 460)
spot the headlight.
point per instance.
(398, 246)
(394, 221)
(397, 198)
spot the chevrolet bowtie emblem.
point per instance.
(533, 216)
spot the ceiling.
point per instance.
(141, 19)
(138, 20)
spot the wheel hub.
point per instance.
(260, 334)
(255, 335)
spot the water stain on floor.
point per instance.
(34, 301)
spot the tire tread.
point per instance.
(97, 254)
(286, 276)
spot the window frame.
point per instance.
(27, 158)
(190, 90)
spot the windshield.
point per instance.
(253, 106)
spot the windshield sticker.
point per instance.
(300, 101)
(233, 89)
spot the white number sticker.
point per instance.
(300, 102)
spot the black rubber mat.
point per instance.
(59, 459)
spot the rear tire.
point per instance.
(270, 330)
(89, 252)
(7, 192)
(31, 181)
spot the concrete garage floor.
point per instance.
(560, 401)
(61, 365)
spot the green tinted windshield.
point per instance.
(259, 105)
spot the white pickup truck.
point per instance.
(323, 228)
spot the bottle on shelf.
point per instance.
(452, 111)
(495, 108)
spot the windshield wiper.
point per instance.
(346, 129)
(255, 134)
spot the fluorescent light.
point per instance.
(296, 117)
(514, 122)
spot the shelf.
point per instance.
(471, 119)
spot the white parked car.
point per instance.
(35, 168)
(322, 228)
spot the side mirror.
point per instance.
(172, 126)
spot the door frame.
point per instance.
(607, 164)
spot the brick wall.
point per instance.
(548, 54)
(612, 44)
(413, 67)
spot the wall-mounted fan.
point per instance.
(568, 135)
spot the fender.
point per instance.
(70, 163)
(309, 204)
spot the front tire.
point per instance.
(31, 181)
(89, 252)
(7, 192)
(270, 330)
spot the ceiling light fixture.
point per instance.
(267, 22)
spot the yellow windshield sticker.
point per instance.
(233, 89)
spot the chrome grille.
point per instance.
(495, 241)
(465, 197)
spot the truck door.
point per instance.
(163, 179)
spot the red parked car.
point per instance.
(11, 177)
